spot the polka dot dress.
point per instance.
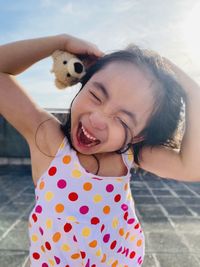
(81, 219)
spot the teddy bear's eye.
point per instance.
(65, 62)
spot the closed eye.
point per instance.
(94, 96)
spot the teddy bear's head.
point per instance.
(68, 69)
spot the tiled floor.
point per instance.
(169, 212)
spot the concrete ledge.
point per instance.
(15, 161)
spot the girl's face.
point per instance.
(114, 105)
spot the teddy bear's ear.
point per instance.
(57, 53)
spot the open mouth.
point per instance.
(85, 138)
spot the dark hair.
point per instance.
(168, 103)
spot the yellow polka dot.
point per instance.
(98, 252)
(121, 231)
(65, 247)
(34, 238)
(109, 262)
(115, 222)
(87, 186)
(132, 238)
(106, 209)
(139, 243)
(66, 159)
(130, 155)
(97, 198)
(51, 262)
(56, 237)
(75, 256)
(93, 244)
(129, 196)
(86, 231)
(62, 145)
(76, 173)
(71, 218)
(49, 195)
(49, 223)
(59, 208)
(41, 185)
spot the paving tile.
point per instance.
(183, 192)
(139, 192)
(171, 201)
(161, 192)
(140, 200)
(191, 200)
(195, 209)
(178, 211)
(186, 225)
(177, 260)
(12, 258)
(149, 261)
(160, 242)
(193, 241)
(156, 224)
(150, 211)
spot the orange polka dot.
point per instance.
(104, 258)
(59, 208)
(56, 237)
(41, 186)
(115, 264)
(126, 187)
(93, 244)
(87, 186)
(127, 235)
(66, 159)
(139, 242)
(106, 209)
(75, 256)
(42, 248)
(121, 231)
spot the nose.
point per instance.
(78, 67)
(97, 121)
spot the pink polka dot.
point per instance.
(125, 215)
(61, 184)
(41, 231)
(45, 264)
(38, 209)
(140, 260)
(57, 260)
(106, 238)
(124, 207)
(52, 171)
(109, 188)
(131, 220)
(84, 209)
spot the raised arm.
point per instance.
(15, 104)
(185, 164)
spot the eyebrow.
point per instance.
(103, 89)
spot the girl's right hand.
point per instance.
(87, 51)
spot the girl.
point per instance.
(125, 115)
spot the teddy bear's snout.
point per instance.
(78, 67)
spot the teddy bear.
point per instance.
(68, 69)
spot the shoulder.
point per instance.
(44, 144)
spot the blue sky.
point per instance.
(169, 27)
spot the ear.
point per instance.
(137, 139)
(57, 53)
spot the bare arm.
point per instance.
(185, 164)
(15, 104)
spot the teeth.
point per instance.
(87, 134)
